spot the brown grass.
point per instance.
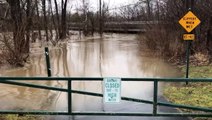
(164, 42)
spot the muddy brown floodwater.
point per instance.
(116, 55)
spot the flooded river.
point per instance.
(116, 55)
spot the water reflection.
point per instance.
(116, 55)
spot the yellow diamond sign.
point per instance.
(189, 21)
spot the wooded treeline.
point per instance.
(167, 38)
(25, 21)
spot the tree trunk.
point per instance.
(19, 40)
(53, 20)
(58, 17)
(18, 31)
(149, 9)
(100, 18)
(49, 13)
(38, 19)
(29, 23)
(45, 19)
(158, 11)
(63, 20)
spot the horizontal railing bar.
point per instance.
(101, 95)
(34, 86)
(106, 113)
(73, 91)
(7, 80)
(142, 114)
(147, 101)
(34, 112)
(35, 78)
(168, 79)
(54, 78)
(112, 114)
(100, 79)
(185, 107)
(137, 100)
(87, 93)
(184, 80)
(184, 115)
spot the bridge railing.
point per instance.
(126, 27)
(207, 112)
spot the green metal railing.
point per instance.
(207, 112)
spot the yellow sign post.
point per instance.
(189, 21)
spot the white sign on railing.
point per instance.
(112, 90)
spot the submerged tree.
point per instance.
(63, 19)
(45, 19)
(20, 49)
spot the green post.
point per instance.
(187, 59)
(69, 97)
(48, 62)
(189, 6)
(155, 99)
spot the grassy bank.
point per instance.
(16, 117)
(195, 94)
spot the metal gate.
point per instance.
(207, 112)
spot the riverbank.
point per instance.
(195, 94)
(16, 117)
(168, 46)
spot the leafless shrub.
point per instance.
(9, 53)
(34, 36)
(163, 42)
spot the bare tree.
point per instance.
(38, 19)
(21, 17)
(45, 19)
(100, 18)
(29, 24)
(63, 19)
(57, 18)
(148, 9)
(104, 15)
(85, 9)
(19, 49)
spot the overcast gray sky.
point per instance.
(112, 3)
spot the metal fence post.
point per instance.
(189, 8)
(187, 60)
(155, 99)
(69, 96)
(48, 62)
